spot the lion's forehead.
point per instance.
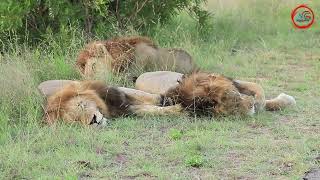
(81, 103)
(81, 108)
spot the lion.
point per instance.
(201, 92)
(132, 55)
(114, 54)
(93, 102)
(160, 59)
(208, 92)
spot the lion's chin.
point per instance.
(251, 111)
(102, 123)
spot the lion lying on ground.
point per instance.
(211, 93)
(130, 54)
(93, 102)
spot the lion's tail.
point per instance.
(280, 102)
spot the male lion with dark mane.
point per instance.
(93, 102)
(129, 54)
(202, 92)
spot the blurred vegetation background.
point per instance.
(32, 20)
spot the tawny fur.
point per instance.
(216, 94)
(67, 103)
(116, 54)
(131, 55)
(91, 102)
(221, 95)
(280, 102)
(154, 59)
(157, 82)
(255, 90)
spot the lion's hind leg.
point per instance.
(280, 102)
(275, 104)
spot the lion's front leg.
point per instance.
(142, 110)
(138, 97)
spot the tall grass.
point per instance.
(250, 40)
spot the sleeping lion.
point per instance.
(132, 55)
(202, 92)
(93, 102)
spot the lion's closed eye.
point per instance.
(94, 66)
(82, 105)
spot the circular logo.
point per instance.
(302, 17)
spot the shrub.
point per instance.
(35, 18)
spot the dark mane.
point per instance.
(202, 92)
(117, 101)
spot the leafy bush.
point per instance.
(35, 18)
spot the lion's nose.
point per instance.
(94, 120)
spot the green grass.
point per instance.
(269, 145)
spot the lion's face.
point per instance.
(96, 67)
(85, 111)
(203, 91)
(235, 103)
(246, 105)
(230, 99)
